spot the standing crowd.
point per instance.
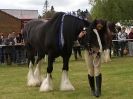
(123, 46)
(12, 49)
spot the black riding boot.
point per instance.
(92, 84)
(98, 85)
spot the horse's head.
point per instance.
(112, 27)
(95, 35)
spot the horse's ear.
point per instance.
(95, 21)
(87, 23)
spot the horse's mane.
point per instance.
(60, 14)
(55, 17)
(55, 22)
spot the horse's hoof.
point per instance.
(67, 89)
(45, 88)
(67, 86)
(46, 84)
(31, 83)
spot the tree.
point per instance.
(45, 7)
(113, 10)
(46, 4)
(49, 13)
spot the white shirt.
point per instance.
(122, 36)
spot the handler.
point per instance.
(93, 51)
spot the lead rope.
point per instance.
(100, 50)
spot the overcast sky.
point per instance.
(59, 5)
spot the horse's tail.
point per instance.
(24, 33)
(26, 41)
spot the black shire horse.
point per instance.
(54, 38)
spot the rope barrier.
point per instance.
(123, 40)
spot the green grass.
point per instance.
(117, 81)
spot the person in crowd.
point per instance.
(8, 50)
(12, 36)
(122, 36)
(19, 48)
(115, 43)
(130, 36)
(2, 37)
(1, 49)
(77, 50)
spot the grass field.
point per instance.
(117, 81)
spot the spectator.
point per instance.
(19, 49)
(131, 42)
(122, 36)
(12, 35)
(8, 50)
(1, 48)
(115, 43)
(2, 38)
(77, 49)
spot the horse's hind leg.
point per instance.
(37, 72)
(47, 82)
(30, 77)
(65, 82)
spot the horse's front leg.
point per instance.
(106, 56)
(65, 82)
(47, 82)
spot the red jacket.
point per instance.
(130, 36)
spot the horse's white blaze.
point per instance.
(37, 75)
(65, 82)
(30, 76)
(99, 40)
(45, 58)
(46, 84)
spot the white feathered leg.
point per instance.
(107, 55)
(65, 82)
(46, 84)
(30, 76)
(103, 57)
(37, 75)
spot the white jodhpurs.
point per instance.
(93, 70)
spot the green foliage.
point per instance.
(117, 81)
(113, 10)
